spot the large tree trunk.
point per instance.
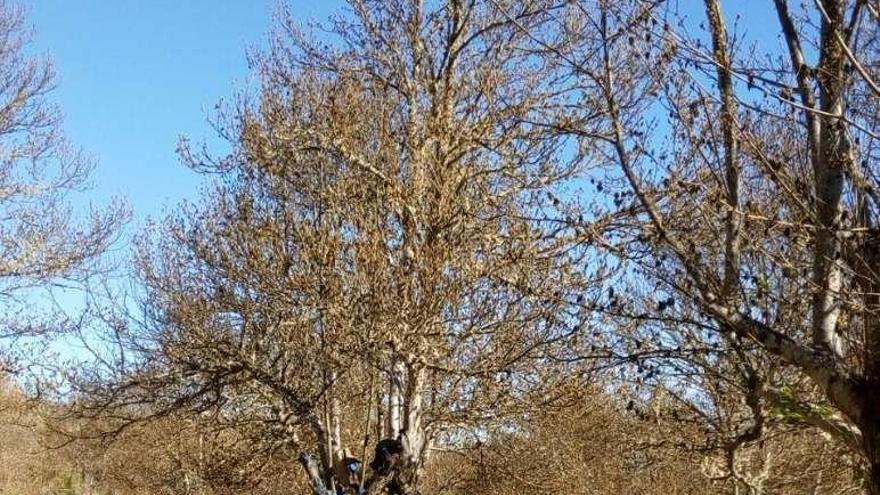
(405, 425)
(414, 437)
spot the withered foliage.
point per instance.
(377, 259)
(530, 246)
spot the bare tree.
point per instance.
(380, 269)
(750, 180)
(42, 242)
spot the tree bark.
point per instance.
(335, 427)
(829, 178)
(395, 397)
(733, 223)
(316, 482)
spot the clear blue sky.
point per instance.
(136, 74)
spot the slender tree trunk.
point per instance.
(829, 181)
(335, 426)
(395, 397)
(413, 411)
(733, 223)
(313, 471)
(415, 437)
(380, 413)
